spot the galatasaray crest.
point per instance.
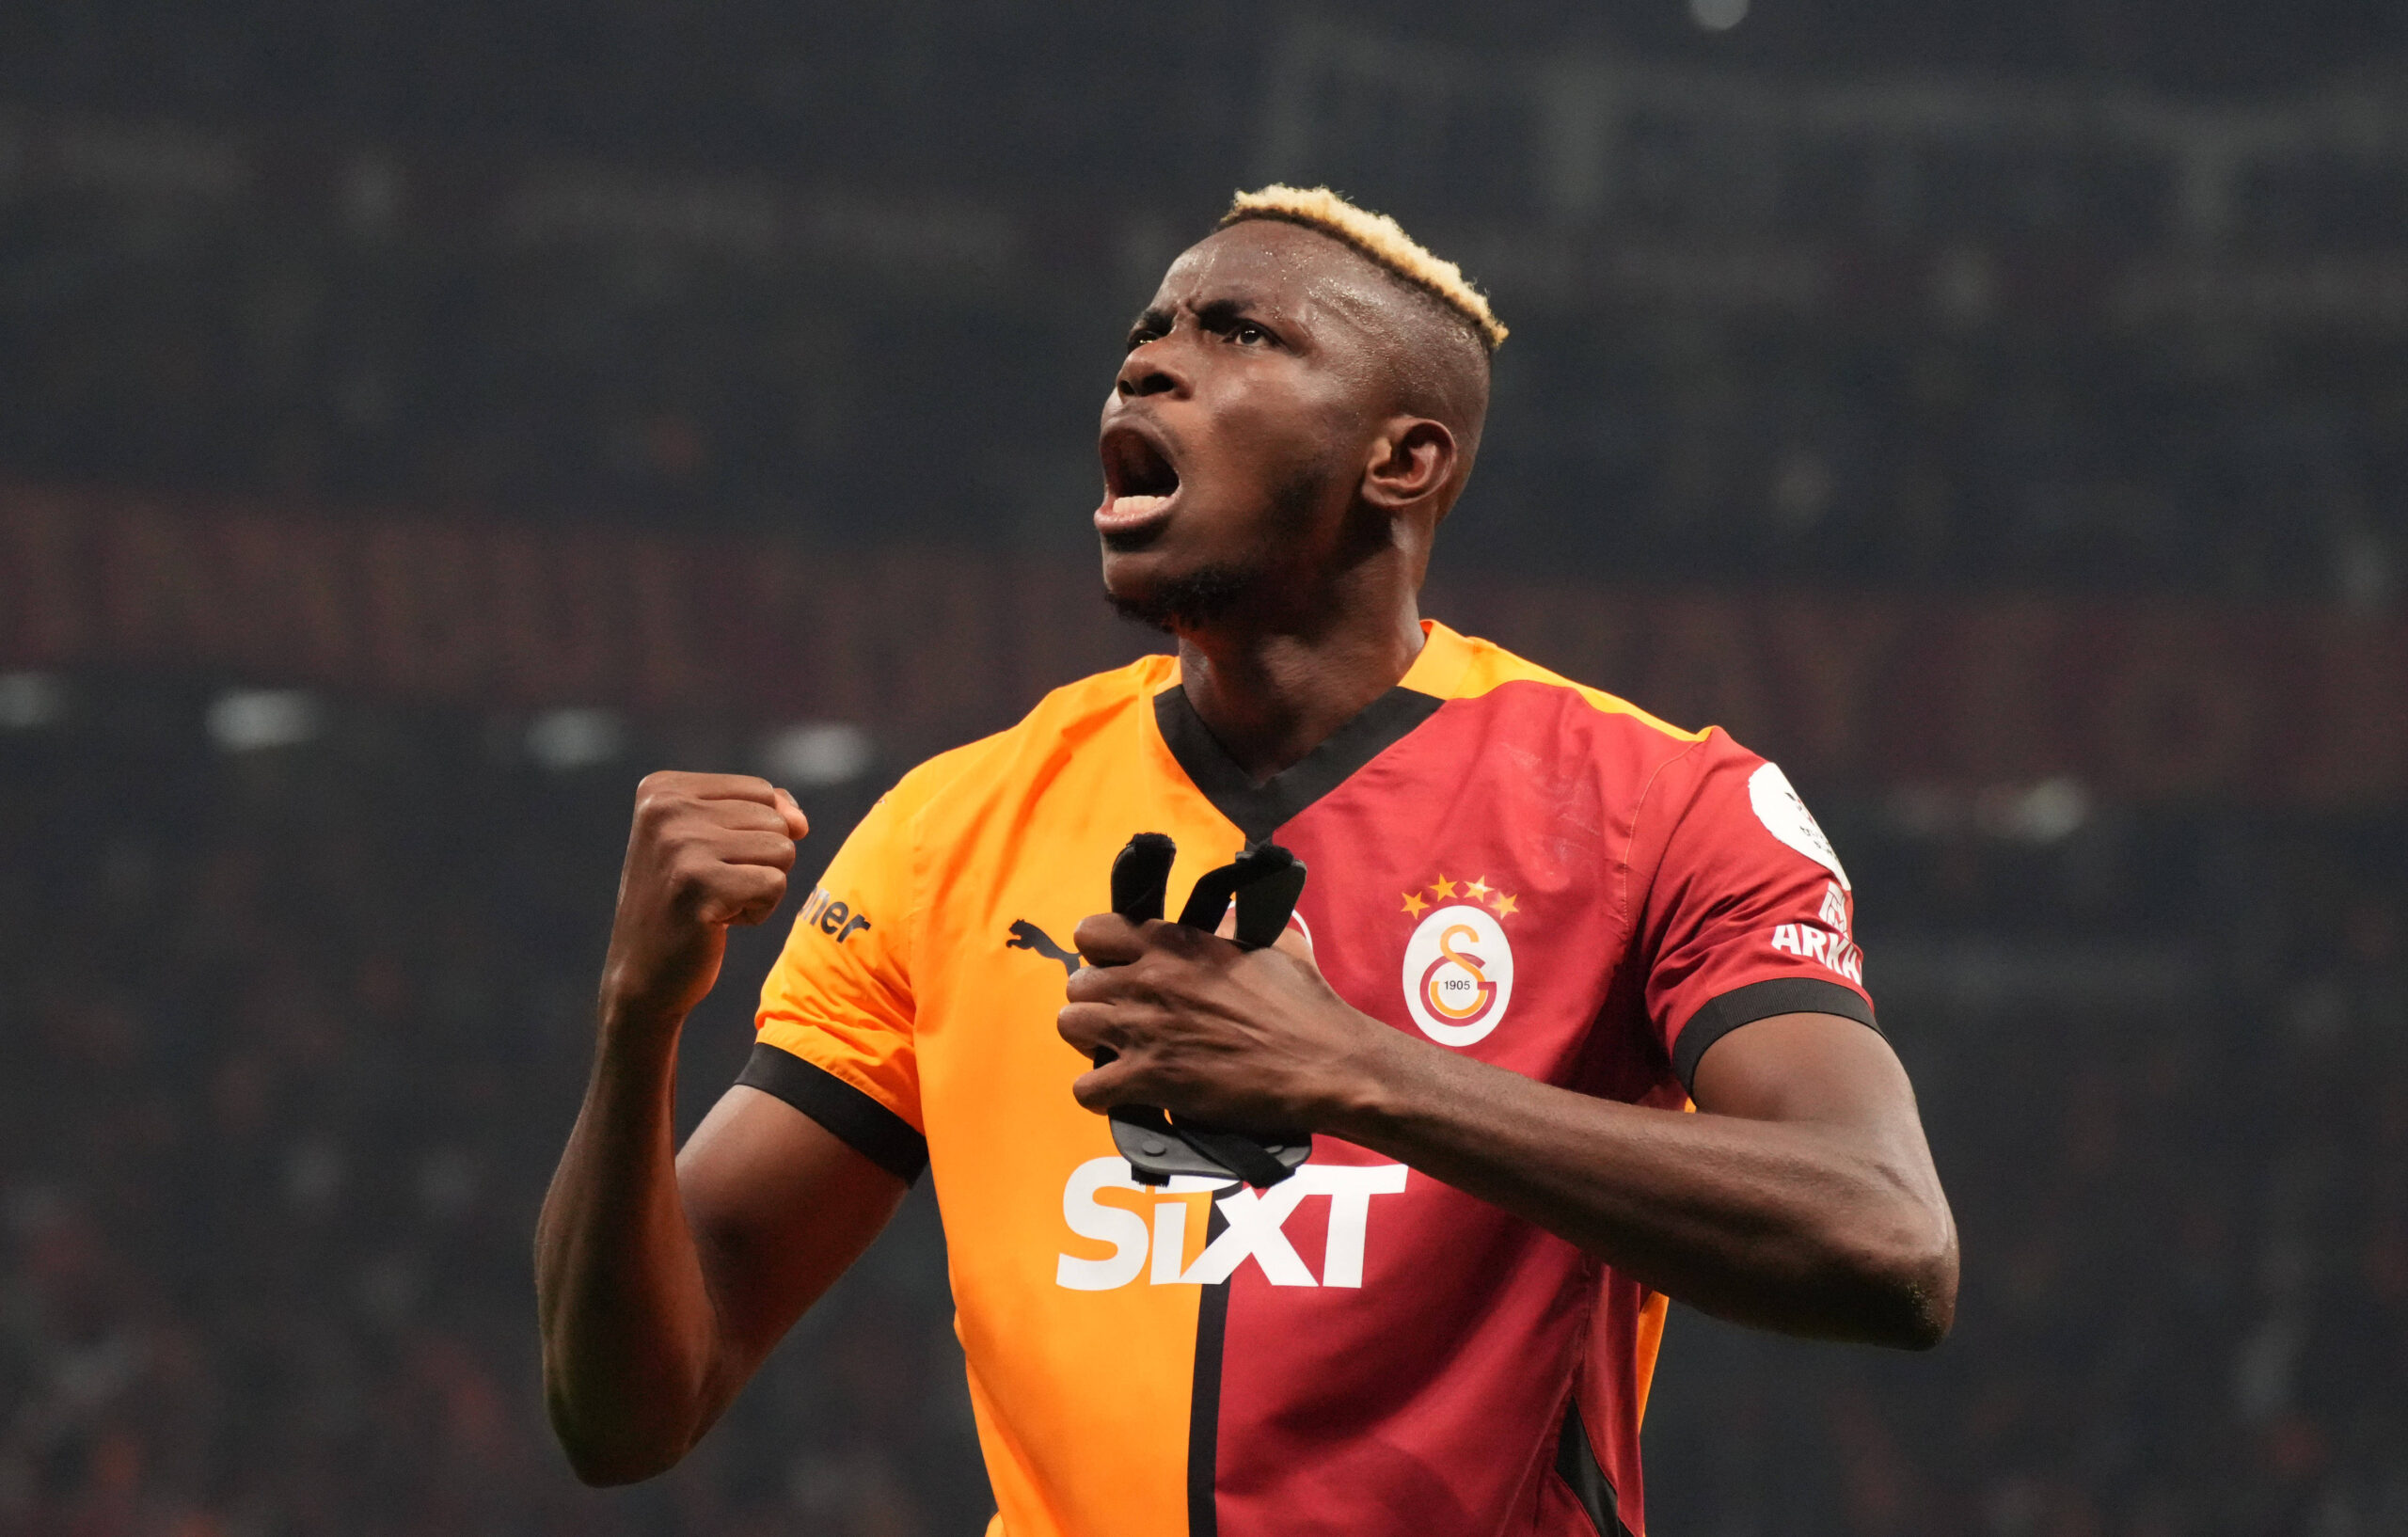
(1458, 966)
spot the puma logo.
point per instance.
(1027, 935)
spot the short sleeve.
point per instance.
(835, 1027)
(1747, 912)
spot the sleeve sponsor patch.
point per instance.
(1785, 816)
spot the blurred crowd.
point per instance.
(288, 1041)
(2177, 1140)
(269, 354)
(1851, 305)
(289, 1037)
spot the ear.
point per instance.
(1411, 459)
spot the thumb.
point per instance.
(798, 825)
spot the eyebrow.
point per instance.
(1211, 313)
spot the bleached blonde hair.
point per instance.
(1379, 238)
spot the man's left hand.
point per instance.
(1256, 1040)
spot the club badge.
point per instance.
(1459, 965)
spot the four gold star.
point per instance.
(1478, 890)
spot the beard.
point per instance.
(1191, 601)
(1212, 592)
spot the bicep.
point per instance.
(1816, 1068)
(779, 1207)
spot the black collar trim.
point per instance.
(1261, 810)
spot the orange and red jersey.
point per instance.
(1529, 872)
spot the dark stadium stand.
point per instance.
(1875, 327)
(289, 1035)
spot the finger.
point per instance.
(1094, 985)
(798, 825)
(1108, 939)
(737, 890)
(733, 788)
(1100, 1088)
(757, 914)
(1086, 1026)
(741, 816)
(774, 850)
(677, 784)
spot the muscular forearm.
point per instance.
(629, 1334)
(1800, 1197)
(1805, 1228)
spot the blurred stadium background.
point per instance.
(416, 421)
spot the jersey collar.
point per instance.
(1260, 810)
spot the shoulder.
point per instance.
(1067, 722)
(1519, 698)
(1490, 671)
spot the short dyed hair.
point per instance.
(1380, 240)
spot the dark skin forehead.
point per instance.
(1336, 309)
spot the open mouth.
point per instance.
(1139, 479)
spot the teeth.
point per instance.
(1137, 506)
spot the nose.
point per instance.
(1149, 370)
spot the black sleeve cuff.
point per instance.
(861, 1122)
(1762, 1001)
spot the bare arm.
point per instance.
(1800, 1197)
(662, 1279)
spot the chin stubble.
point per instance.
(1189, 601)
(1212, 592)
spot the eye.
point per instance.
(1139, 337)
(1247, 334)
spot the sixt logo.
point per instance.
(1253, 1232)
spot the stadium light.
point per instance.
(818, 752)
(567, 740)
(256, 719)
(2049, 812)
(30, 701)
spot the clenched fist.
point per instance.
(1256, 1040)
(706, 850)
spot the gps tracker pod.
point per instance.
(1264, 882)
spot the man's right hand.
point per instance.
(663, 1278)
(706, 850)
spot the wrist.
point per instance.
(632, 1027)
(1371, 1088)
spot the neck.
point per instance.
(1271, 694)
